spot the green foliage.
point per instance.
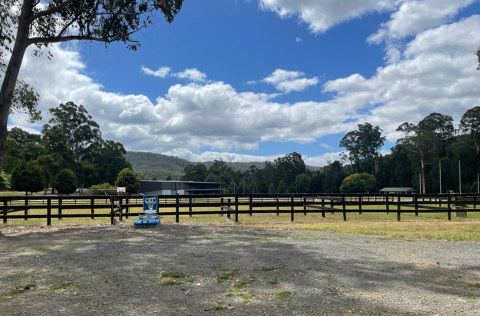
(96, 188)
(151, 165)
(282, 187)
(109, 161)
(82, 133)
(128, 179)
(4, 181)
(358, 183)
(302, 183)
(28, 177)
(66, 182)
(253, 188)
(22, 137)
(272, 189)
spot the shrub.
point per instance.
(96, 188)
(128, 179)
(358, 183)
(28, 177)
(66, 182)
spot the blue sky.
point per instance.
(253, 80)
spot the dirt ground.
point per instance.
(181, 269)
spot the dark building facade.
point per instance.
(153, 187)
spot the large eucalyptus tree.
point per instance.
(43, 22)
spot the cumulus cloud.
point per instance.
(162, 72)
(320, 15)
(288, 81)
(298, 39)
(327, 146)
(192, 75)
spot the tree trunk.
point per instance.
(423, 174)
(11, 75)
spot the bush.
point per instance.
(96, 188)
(66, 182)
(358, 183)
(4, 183)
(271, 189)
(28, 177)
(128, 179)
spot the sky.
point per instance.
(253, 80)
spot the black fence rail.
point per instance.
(115, 206)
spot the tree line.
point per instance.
(69, 153)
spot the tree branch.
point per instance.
(49, 11)
(65, 28)
(49, 40)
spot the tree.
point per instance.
(28, 177)
(470, 123)
(128, 179)
(66, 182)
(42, 23)
(289, 167)
(441, 125)
(282, 187)
(31, 151)
(363, 146)
(81, 131)
(169, 178)
(109, 160)
(96, 188)
(358, 183)
(22, 137)
(271, 189)
(421, 145)
(253, 187)
(302, 183)
(4, 183)
(242, 187)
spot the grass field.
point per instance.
(426, 225)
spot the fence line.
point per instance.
(121, 206)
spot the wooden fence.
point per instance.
(58, 207)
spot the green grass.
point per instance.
(282, 294)
(475, 285)
(212, 237)
(268, 269)
(225, 276)
(217, 307)
(62, 286)
(274, 281)
(22, 289)
(177, 282)
(247, 298)
(174, 274)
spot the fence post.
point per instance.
(59, 207)
(292, 217)
(360, 205)
(250, 205)
(331, 203)
(177, 209)
(92, 210)
(49, 212)
(236, 208)
(415, 198)
(278, 208)
(5, 211)
(344, 207)
(228, 210)
(387, 205)
(120, 209)
(26, 209)
(398, 209)
(474, 202)
(127, 208)
(190, 206)
(305, 206)
(323, 205)
(112, 211)
(449, 203)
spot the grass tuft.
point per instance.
(22, 288)
(476, 285)
(176, 274)
(228, 275)
(268, 269)
(274, 281)
(62, 286)
(217, 307)
(282, 294)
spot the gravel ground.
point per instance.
(118, 271)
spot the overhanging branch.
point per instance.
(49, 11)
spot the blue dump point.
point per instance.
(147, 221)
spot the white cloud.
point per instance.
(298, 39)
(327, 146)
(320, 15)
(162, 72)
(192, 75)
(288, 81)
(318, 161)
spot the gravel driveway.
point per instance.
(228, 270)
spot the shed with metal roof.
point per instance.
(399, 190)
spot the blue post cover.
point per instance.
(150, 203)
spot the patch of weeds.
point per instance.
(217, 307)
(62, 286)
(63, 268)
(176, 274)
(247, 298)
(400, 312)
(198, 256)
(476, 285)
(218, 268)
(268, 269)
(282, 294)
(385, 239)
(438, 263)
(182, 262)
(22, 289)
(274, 281)
(238, 289)
(228, 275)
(472, 301)
(177, 282)
(366, 241)
(108, 282)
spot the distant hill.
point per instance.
(150, 165)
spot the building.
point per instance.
(154, 187)
(398, 190)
